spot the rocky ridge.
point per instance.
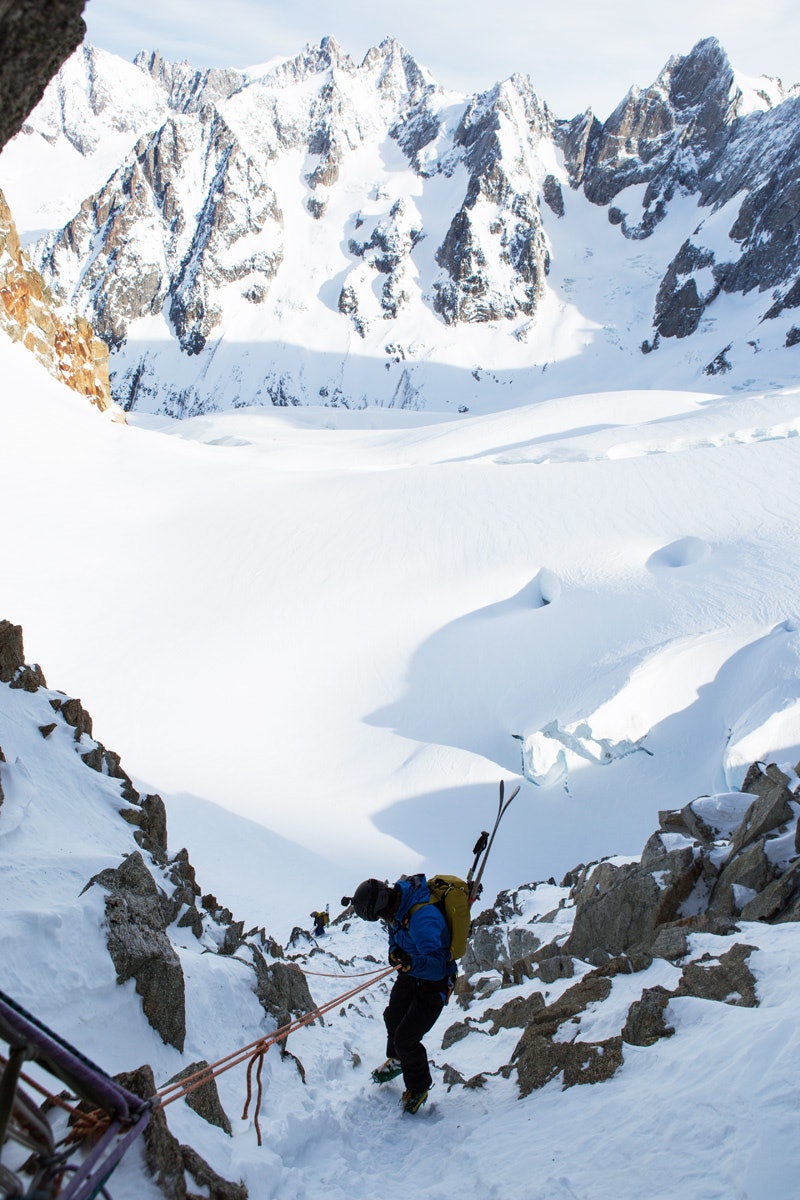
(63, 343)
(669, 925)
(152, 902)
(692, 133)
(559, 983)
(425, 211)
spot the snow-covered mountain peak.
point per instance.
(399, 71)
(758, 94)
(184, 87)
(325, 154)
(95, 94)
(701, 77)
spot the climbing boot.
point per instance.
(386, 1071)
(413, 1101)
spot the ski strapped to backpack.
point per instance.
(484, 845)
(454, 896)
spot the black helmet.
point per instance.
(371, 899)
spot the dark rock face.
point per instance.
(137, 915)
(727, 979)
(204, 1098)
(472, 291)
(162, 1150)
(75, 715)
(36, 38)
(556, 966)
(538, 1060)
(167, 1160)
(553, 196)
(641, 905)
(13, 668)
(12, 656)
(281, 989)
(193, 220)
(719, 859)
(620, 908)
(517, 1014)
(646, 1024)
(750, 870)
(130, 277)
(769, 811)
(645, 138)
(485, 950)
(679, 306)
(685, 135)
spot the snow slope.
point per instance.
(323, 636)
(332, 624)
(706, 1115)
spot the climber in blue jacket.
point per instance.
(419, 946)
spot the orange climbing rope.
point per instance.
(334, 974)
(253, 1054)
(50, 1097)
(255, 1051)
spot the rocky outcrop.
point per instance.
(125, 274)
(693, 133)
(64, 344)
(684, 878)
(499, 222)
(190, 221)
(137, 916)
(36, 38)
(646, 1022)
(716, 862)
(167, 1160)
(204, 1096)
(620, 908)
(281, 988)
(539, 1059)
(13, 668)
(147, 896)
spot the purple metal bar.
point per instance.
(102, 1160)
(28, 1038)
(84, 1077)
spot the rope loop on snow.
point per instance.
(336, 974)
(254, 1053)
(259, 1058)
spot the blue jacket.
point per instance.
(424, 934)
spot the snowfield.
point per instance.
(323, 636)
(333, 626)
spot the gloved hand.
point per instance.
(399, 958)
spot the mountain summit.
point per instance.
(321, 231)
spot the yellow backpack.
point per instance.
(451, 895)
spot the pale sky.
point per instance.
(578, 53)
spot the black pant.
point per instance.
(414, 1005)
